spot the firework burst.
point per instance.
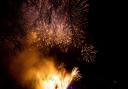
(49, 25)
(60, 23)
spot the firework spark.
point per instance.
(88, 53)
(60, 23)
(49, 24)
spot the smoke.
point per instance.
(48, 24)
(32, 70)
(25, 65)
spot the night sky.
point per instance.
(105, 29)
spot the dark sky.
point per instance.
(106, 26)
(106, 29)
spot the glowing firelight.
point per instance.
(56, 78)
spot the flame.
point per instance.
(54, 78)
(42, 70)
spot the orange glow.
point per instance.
(53, 78)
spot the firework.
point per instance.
(88, 53)
(51, 24)
(60, 23)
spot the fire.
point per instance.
(56, 78)
(38, 71)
